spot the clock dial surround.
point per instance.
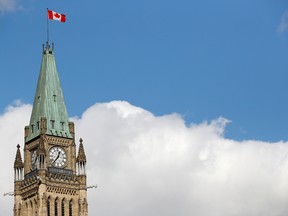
(58, 157)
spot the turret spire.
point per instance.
(81, 159)
(49, 101)
(18, 159)
(18, 166)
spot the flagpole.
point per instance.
(47, 27)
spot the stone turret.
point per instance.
(18, 177)
(81, 165)
(81, 159)
(18, 166)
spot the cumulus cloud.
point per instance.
(9, 5)
(283, 23)
(157, 165)
(12, 123)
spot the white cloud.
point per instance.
(149, 165)
(12, 124)
(283, 23)
(9, 5)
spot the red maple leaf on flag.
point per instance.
(57, 15)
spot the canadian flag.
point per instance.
(56, 16)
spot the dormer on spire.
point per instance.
(49, 104)
(18, 166)
(81, 159)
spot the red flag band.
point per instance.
(56, 16)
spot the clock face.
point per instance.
(34, 160)
(57, 157)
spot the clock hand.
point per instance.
(56, 158)
(35, 159)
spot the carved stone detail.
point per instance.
(59, 141)
(31, 145)
(59, 190)
(30, 193)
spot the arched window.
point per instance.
(56, 207)
(63, 208)
(48, 206)
(70, 208)
(31, 208)
(26, 210)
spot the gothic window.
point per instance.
(56, 207)
(70, 208)
(63, 207)
(48, 207)
(38, 125)
(32, 128)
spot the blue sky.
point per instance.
(201, 59)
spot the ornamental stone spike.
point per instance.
(81, 153)
(18, 159)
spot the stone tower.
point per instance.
(52, 179)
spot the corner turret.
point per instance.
(81, 159)
(18, 166)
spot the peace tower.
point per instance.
(48, 183)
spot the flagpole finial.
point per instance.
(47, 48)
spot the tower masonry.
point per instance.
(51, 181)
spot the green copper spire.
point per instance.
(49, 101)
